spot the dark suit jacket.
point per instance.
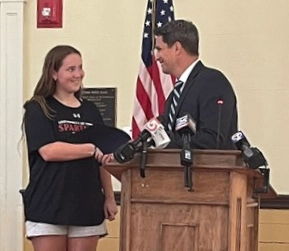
(203, 89)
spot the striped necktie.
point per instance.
(176, 96)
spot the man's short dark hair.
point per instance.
(181, 31)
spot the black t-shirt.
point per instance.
(62, 192)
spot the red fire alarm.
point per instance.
(49, 13)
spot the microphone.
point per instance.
(254, 159)
(156, 130)
(153, 132)
(186, 126)
(125, 152)
(220, 103)
(158, 138)
(186, 123)
(252, 156)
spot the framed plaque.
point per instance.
(105, 100)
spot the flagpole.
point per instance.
(154, 6)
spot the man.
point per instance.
(204, 93)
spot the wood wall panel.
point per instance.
(273, 247)
(274, 233)
(108, 244)
(273, 228)
(274, 216)
(113, 226)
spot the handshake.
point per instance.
(100, 156)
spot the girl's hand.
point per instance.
(110, 209)
(98, 154)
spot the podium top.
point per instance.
(205, 160)
(170, 158)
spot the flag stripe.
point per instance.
(150, 91)
(140, 115)
(144, 99)
(158, 85)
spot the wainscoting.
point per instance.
(273, 232)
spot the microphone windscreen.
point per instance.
(185, 122)
(240, 140)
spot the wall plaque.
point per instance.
(105, 100)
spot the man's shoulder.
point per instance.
(212, 74)
(201, 71)
(209, 78)
(211, 71)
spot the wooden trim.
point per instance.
(279, 202)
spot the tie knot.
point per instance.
(178, 86)
(178, 83)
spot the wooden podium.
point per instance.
(159, 214)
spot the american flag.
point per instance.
(153, 86)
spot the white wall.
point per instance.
(247, 40)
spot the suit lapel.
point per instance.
(189, 84)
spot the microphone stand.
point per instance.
(143, 159)
(186, 160)
(220, 103)
(265, 172)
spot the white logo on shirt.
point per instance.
(76, 115)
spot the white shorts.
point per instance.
(34, 229)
